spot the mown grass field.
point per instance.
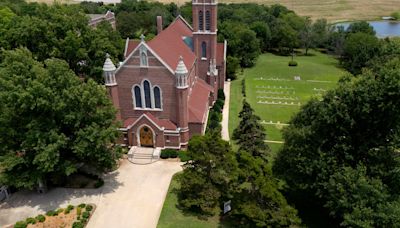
(275, 95)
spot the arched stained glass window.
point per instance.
(138, 97)
(147, 94)
(204, 50)
(157, 97)
(208, 21)
(201, 20)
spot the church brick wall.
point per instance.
(131, 74)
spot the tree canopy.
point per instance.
(208, 178)
(51, 122)
(60, 31)
(343, 150)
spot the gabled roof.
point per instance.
(169, 44)
(198, 101)
(159, 123)
(130, 45)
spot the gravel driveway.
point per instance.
(132, 196)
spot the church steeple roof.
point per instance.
(181, 68)
(108, 64)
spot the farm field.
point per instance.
(276, 95)
(332, 10)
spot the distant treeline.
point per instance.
(61, 31)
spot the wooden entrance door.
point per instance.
(146, 137)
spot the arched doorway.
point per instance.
(146, 137)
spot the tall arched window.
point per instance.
(208, 21)
(138, 97)
(201, 20)
(143, 60)
(204, 50)
(157, 97)
(147, 94)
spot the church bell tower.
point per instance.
(204, 14)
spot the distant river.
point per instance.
(382, 28)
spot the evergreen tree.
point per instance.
(250, 134)
(257, 201)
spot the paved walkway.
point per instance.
(225, 112)
(270, 141)
(133, 196)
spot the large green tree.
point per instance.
(61, 31)
(208, 179)
(51, 122)
(358, 49)
(343, 150)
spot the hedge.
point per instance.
(169, 153)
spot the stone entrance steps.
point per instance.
(143, 155)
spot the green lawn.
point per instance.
(172, 217)
(320, 68)
(275, 95)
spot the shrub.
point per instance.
(169, 153)
(68, 209)
(40, 218)
(60, 210)
(183, 156)
(78, 225)
(85, 214)
(82, 205)
(83, 220)
(52, 213)
(292, 63)
(78, 211)
(99, 183)
(89, 207)
(221, 94)
(30, 221)
(20, 224)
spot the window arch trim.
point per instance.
(143, 96)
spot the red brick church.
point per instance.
(164, 88)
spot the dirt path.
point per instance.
(225, 112)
